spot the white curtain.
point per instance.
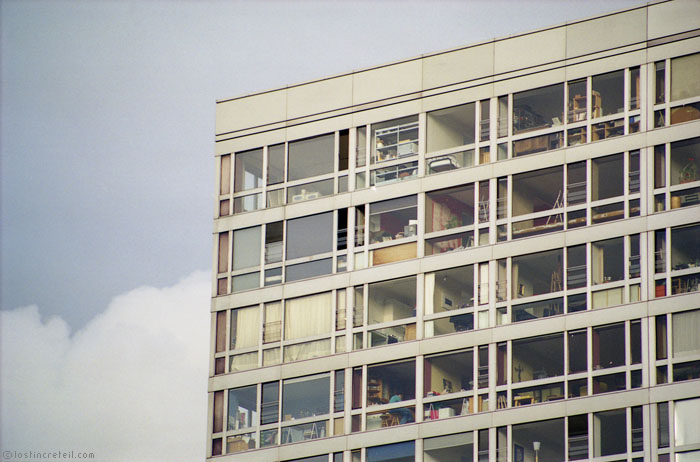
(244, 327)
(686, 333)
(307, 316)
(429, 293)
(307, 350)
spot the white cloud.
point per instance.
(131, 385)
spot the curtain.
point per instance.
(307, 316)
(429, 293)
(244, 327)
(686, 333)
(307, 350)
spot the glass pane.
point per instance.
(311, 157)
(684, 77)
(248, 170)
(275, 164)
(538, 108)
(299, 229)
(451, 127)
(608, 93)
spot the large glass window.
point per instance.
(686, 418)
(684, 77)
(607, 260)
(607, 175)
(610, 432)
(392, 300)
(449, 208)
(538, 191)
(538, 108)
(685, 161)
(608, 346)
(394, 139)
(299, 229)
(578, 352)
(448, 373)
(248, 172)
(397, 452)
(392, 219)
(246, 247)
(306, 397)
(538, 357)
(307, 316)
(686, 337)
(537, 273)
(577, 100)
(449, 290)
(450, 127)
(391, 382)
(542, 440)
(608, 93)
(244, 327)
(685, 247)
(311, 157)
(242, 407)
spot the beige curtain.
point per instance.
(307, 316)
(307, 350)
(686, 333)
(244, 327)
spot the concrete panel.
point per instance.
(251, 111)
(673, 17)
(388, 271)
(321, 96)
(600, 66)
(528, 82)
(671, 50)
(604, 33)
(674, 304)
(251, 142)
(454, 98)
(311, 448)
(386, 112)
(455, 259)
(388, 81)
(315, 285)
(530, 50)
(313, 366)
(320, 127)
(458, 66)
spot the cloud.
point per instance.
(131, 385)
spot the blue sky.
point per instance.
(107, 170)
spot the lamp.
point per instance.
(536, 447)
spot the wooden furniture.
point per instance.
(375, 391)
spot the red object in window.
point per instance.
(661, 290)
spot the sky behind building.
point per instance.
(106, 140)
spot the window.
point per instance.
(607, 177)
(537, 144)
(685, 247)
(248, 170)
(448, 373)
(395, 139)
(608, 346)
(578, 352)
(542, 440)
(538, 108)
(576, 266)
(578, 437)
(577, 100)
(269, 408)
(607, 259)
(449, 290)
(299, 229)
(685, 162)
(684, 77)
(392, 300)
(686, 326)
(686, 418)
(537, 273)
(242, 407)
(273, 242)
(393, 219)
(449, 162)
(275, 164)
(305, 397)
(449, 208)
(610, 432)
(307, 316)
(608, 94)
(311, 157)
(246, 247)
(451, 127)
(391, 382)
(397, 452)
(538, 191)
(538, 357)
(244, 327)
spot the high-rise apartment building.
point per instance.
(490, 253)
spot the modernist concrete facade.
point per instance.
(489, 253)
